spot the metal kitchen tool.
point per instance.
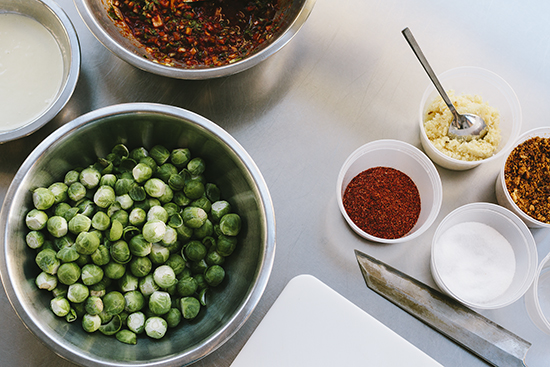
(465, 126)
(466, 327)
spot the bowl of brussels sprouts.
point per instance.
(137, 234)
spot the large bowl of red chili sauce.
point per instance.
(389, 191)
(194, 39)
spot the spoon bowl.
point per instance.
(463, 126)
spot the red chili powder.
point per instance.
(383, 201)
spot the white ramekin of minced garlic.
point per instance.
(472, 90)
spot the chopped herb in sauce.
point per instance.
(201, 33)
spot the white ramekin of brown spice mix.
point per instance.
(523, 183)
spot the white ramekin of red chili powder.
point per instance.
(389, 191)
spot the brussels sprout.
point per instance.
(147, 285)
(93, 305)
(59, 290)
(71, 177)
(76, 191)
(173, 317)
(160, 154)
(113, 303)
(91, 274)
(184, 232)
(214, 258)
(230, 224)
(137, 216)
(157, 212)
(108, 179)
(180, 199)
(67, 254)
(86, 207)
(140, 266)
(86, 243)
(101, 221)
(219, 209)
(154, 230)
(123, 186)
(214, 275)
(71, 316)
(36, 220)
(167, 196)
(100, 289)
(155, 327)
(139, 153)
(57, 226)
(165, 171)
(170, 236)
(136, 322)
(43, 198)
(104, 196)
(91, 323)
(187, 286)
(142, 172)
(70, 213)
(101, 256)
(112, 327)
(190, 307)
(46, 281)
(194, 217)
(196, 166)
(159, 254)
(60, 306)
(206, 230)
(126, 337)
(139, 245)
(47, 261)
(122, 216)
(114, 270)
(164, 276)
(120, 252)
(176, 182)
(201, 282)
(128, 282)
(80, 223)
(61, 209)
(176, 262)
(180, 157)
(137, 193)
(160, 302)
(68, 273)
(59, 191)
(155, 187)
(193, 189)
(212, 192)
(89, 177)
(198, 267)
(195, 251)
(116, 231)
(125, 201)
(83, 260)
(134, 301)
(35, 239)
(202, 203)
(77, 293)
(226, 245)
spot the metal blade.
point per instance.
(466, 327)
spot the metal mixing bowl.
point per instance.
(51, 16)
(124, 45)
(79, 143)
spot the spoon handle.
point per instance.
(426, 65)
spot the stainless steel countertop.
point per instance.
(347, 78)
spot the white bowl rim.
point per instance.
(523, 137)
(424, 160)
(515, 129)
(531, 244)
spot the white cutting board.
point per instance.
(312, 325)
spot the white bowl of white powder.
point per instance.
(484, 256)
(39, 66)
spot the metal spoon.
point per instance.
(463, 126)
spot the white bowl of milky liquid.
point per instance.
(39, 66)
(484, 256)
